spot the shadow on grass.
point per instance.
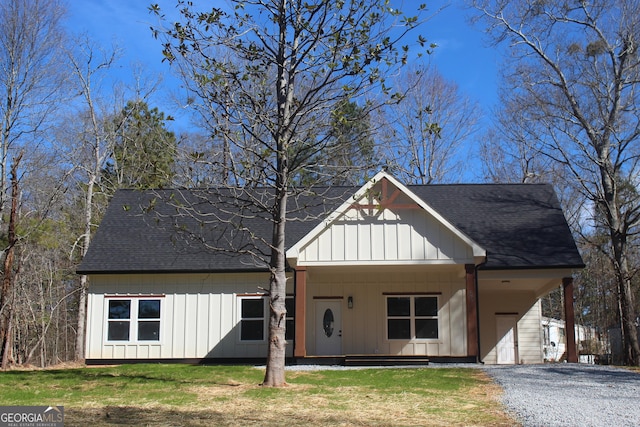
(177, 374)
(137, 416)
(123, 385)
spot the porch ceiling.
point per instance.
(540, 282)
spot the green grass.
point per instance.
(158, 394)
(164, 384)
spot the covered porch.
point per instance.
(342, 314)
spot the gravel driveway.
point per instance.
(569, 394)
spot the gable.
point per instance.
(385, 223)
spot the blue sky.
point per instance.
(462, 55)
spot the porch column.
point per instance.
(570, 321)
(300, 319)
(472, 311)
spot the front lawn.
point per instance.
(186, 395)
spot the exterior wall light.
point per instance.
(350, 302)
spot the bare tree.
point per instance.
(273, 71)
(194, 165)
(30, 73)
(575, 70)
(103, 119)
(509, 151)
(31, 79)
(47, 220)
(424, 133)
(93, 145)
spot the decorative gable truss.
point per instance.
(385, 223)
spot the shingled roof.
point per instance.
(519, 226)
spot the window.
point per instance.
(290, 304)
(546, 335)
(149, 320)
(119, 319)
(252, 322)
(254, 313)
(412, 317)
(133, 318)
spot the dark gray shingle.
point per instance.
(519, 225)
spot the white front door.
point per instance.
(328, 328)
(506, 332)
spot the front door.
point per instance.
(328, 328)
(506, 348)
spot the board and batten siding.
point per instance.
(391, 235)
(199, 315)
(530, 338)
(364, 326)
(527, 310)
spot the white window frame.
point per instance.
(411, 317)
(134, 320)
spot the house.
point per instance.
(438, 272)
(589, 343)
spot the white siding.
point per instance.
(530, 335)
(526, 308)
(364, 326)
(394, 235)
(199, 316)
(200, 313)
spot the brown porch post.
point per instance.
(300, 346)
(472, 311)
(570, 328)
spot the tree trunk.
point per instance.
(6, 299)
(82, 319)
(86, 240)
(620, 248)
(7, 341)
(275, 371)
(630, 344)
